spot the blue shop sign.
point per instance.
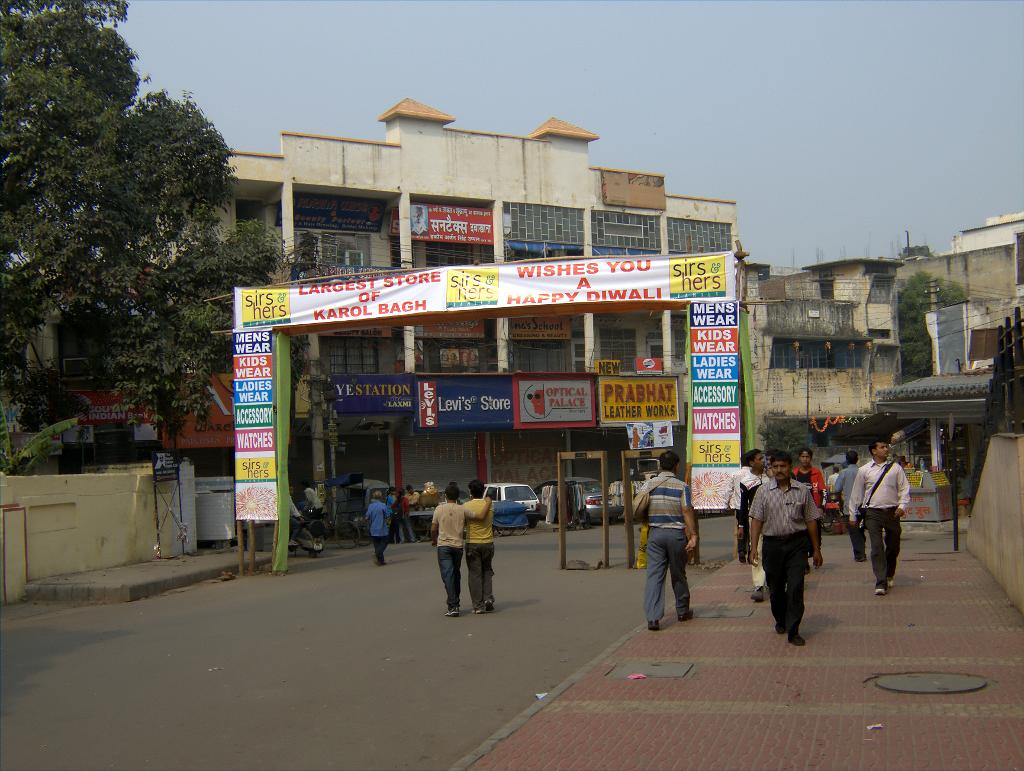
(714, 367)
(316, 211)
(373, 394)
(464, 403)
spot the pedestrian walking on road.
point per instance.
(670, 520)
(811, 476)
(783, 512)
(744, 487)
(480, 548)
(881, 494)
(377, 518)
(405, 532)
(391, 503)
(844, 489)
(446, 529)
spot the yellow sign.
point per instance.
(471, 287)
(703, 276)
(629, 399)
(255, 469)
(264, 307)
(608, 366)
(716, 452)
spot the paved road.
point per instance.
(340, 664)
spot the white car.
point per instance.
(519, 493)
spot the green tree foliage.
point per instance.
(109, 215)
(36, 450)
(914, 302)
(784, 434)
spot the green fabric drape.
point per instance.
(282, 430)
(747, 393)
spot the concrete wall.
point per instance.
(77, 523)
(983, 274)
(996, 535)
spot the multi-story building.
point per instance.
(823, 341)
(429, 194)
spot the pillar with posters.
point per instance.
(714, 402)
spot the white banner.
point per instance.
(655, 279)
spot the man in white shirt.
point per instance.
(882, 490)
(744, 486)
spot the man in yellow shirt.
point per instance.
(480, 548)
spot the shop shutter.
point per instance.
(528, 457)
(439, 458)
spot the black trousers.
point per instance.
(884, 531)
(743, 543)
(785, 562)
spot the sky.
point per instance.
(834, 126)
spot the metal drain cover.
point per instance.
(931, 682)
(726, 612)
(650, 669)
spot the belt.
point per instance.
(790, 537)
(883, 509)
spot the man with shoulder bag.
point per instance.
(881, 495)
(664, 504)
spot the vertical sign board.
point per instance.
(715, 401)
(255, 442)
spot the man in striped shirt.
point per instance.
(784, 512)
(670, 521)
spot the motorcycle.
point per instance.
(307, 531)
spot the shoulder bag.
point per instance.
(642, 500)
(863, 510)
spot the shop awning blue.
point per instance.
(611, 251)
(542, 247)
(344, 480)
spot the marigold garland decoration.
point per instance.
(829, 422)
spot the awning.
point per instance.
(543, 247)
(881, 425)
(344, 480)
(611, 251)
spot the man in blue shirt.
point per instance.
(843, 488)
(377, 518)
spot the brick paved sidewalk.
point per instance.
(752, 701)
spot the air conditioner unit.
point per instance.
(75, 367)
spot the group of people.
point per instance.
(456, 530)
(778, 508)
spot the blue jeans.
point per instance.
(449, 559)
(405, 530)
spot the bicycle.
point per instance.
(351, 533)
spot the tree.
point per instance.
(914, 302)
(784, 434)
(109, 218)
(36, 450)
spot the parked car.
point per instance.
(593, 495)
(518, 493)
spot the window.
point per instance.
(880, 334)
(815, 354)
(335, 249)
(628, 229)
(827, 287)
(539, 356)
(248, 210)
(618, 344)
(1020, 258)
(881, 290)
(694, 236)
(352, 355)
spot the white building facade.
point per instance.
(429, 194)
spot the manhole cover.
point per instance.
(723, 612)
(651, 669)
(931, 682)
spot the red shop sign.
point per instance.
(453, 224)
